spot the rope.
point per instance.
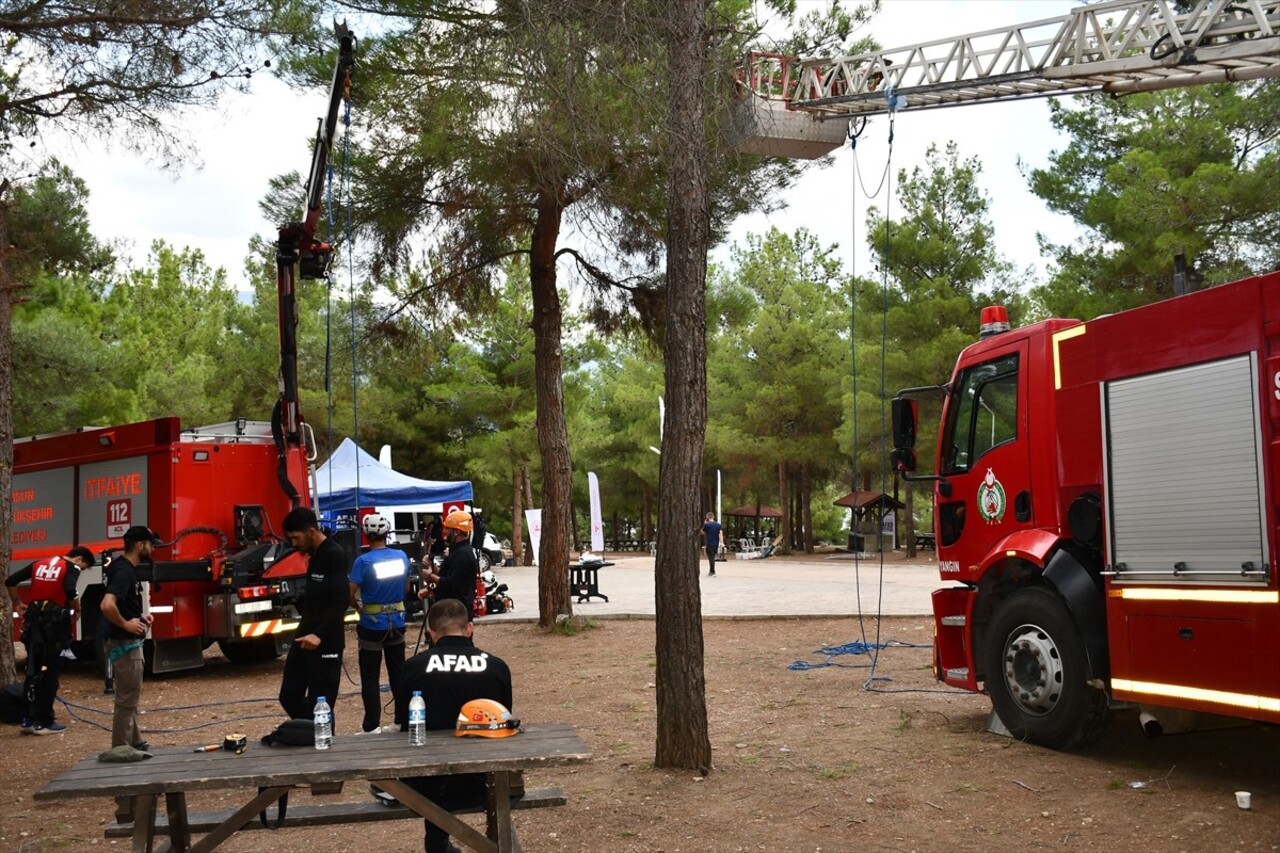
(856, 647)
(351, 290)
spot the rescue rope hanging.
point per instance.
(351, 285)
(344, 187)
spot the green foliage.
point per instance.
(1154, 175)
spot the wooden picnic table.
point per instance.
(269, 772)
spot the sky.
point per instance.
(211, 203)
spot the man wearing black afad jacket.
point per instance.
(449, 674)
(313, 667)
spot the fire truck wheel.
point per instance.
(254, 650)
(1037, 673)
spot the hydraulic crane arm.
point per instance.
(299, 254)
(1117, 46)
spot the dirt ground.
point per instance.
(805, 760)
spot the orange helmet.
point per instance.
(485, 718)
(459, 520)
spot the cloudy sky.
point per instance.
(212, 203)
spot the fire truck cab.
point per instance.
(1105, 508)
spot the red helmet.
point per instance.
(459, 519)
(485, 718)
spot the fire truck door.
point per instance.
(984, 492)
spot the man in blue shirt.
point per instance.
(378, 581)
(714, 534)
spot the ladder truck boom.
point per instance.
(1120, 46)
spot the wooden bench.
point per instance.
(163, 782)
(338, 813)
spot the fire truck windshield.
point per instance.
(982, 413)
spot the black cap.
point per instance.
(138, 533)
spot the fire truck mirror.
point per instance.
(904, 425)
(903, 459)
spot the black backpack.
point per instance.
(13, 706)
(292, 733)
(288, 733)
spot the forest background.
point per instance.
(802, 356)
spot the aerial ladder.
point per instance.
(800, 107)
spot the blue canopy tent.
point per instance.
(350, 479)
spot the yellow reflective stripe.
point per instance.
(1218, 596)
(375, 609)
(1059, 337)
(1199, 694)
(262, 629)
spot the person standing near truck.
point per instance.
(46, 631)
(313, 667)
(378, 581)
(126, 630)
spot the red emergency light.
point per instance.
(994, 320)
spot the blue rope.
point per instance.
(856, 647)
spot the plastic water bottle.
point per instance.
(417, 720)
(324, 724)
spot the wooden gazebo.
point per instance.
(866, 512)
(753, 511)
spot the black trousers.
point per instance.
(375, 645)
(307, 676)
(44, 666)
(451, 793)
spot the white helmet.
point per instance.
(376, 525)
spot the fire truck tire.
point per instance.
(1037, 673)
(255, 650)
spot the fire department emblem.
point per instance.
(991, 499)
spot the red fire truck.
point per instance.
(1106, 505)
(213, 494)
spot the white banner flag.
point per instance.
(597, 526)
(534, 519)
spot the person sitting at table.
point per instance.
(449, 674)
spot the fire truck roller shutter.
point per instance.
(1036, 671)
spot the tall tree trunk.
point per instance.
(528, 502)
(784, 504)
(553, 434)
(517, 516)
(806, 506)
(8, 294)
(683, 738)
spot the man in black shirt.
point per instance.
(313, 667)
(126, 628)
(449, 674)
(457, 577)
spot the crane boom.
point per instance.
(299, 254)
(1117, 46)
